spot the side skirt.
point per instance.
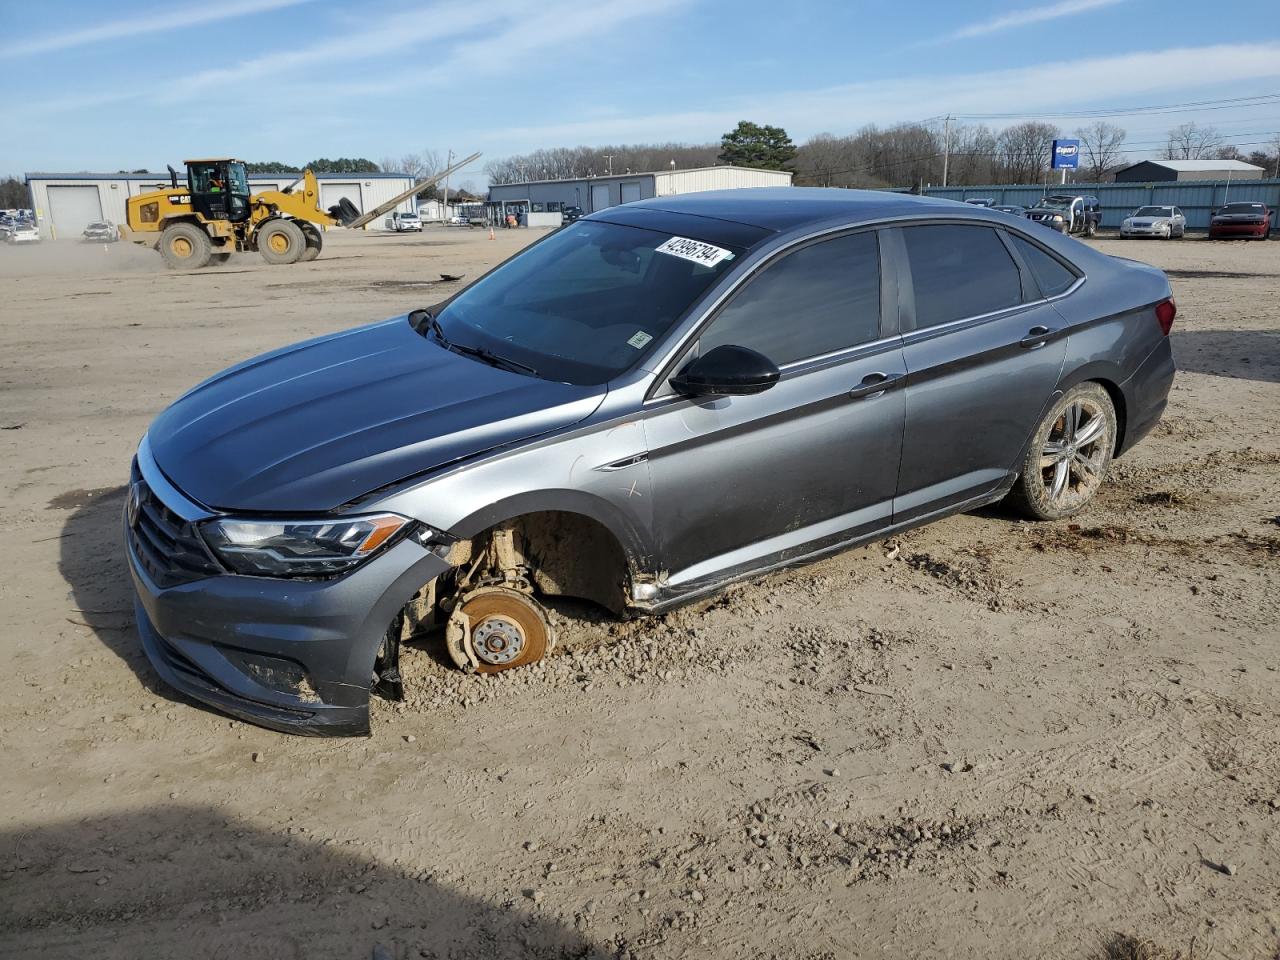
(668, 598)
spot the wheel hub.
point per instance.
(498, 640)
(279, 243)
(495, 628)
(181, 247)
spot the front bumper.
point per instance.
(1160, 231)
(1218, 230)
(290, 655)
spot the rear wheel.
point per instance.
(1068, 456)
(281, 241)
(1091, 228)
(185, 246)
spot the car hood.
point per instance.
(318, 424)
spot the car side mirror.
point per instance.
(726, 371)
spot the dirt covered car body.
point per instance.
(649, 404)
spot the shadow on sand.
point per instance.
(186, 881)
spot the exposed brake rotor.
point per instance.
(495, 628)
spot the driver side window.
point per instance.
(820, 299)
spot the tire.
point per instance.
(315, 243)
(185, 246)
(1061, 474)
(1091, 229)
(281, 241)
(218, 259)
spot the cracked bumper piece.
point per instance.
(291, 655)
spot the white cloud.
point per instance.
(157, 21)
(1022, 18)
(1064, 86)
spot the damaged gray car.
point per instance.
(648, 404)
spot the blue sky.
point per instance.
(94, 86)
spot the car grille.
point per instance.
(166, 546)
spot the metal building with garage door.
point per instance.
(542, 201)
(65, 202)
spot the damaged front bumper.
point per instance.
(291, 655)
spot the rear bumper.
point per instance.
(1146, 394)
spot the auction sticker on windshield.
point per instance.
(695, 250)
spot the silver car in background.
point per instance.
(652, 402)
(1167, 223)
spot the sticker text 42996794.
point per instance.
(704, 253)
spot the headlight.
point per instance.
(300, 548)
(1057, 218)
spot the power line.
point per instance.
(1186, 106)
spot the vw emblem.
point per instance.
(133, 504)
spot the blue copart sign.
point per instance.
(1066, 154)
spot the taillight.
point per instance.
(1166, 310)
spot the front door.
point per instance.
(744, 482)
(983, 360)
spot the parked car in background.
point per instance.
(1164, 222)
(1068, 214)
(6, 227)
(23, 232)
(982, 201)
(101, 231)
(1245, 219)
(616, 414)
(570, 214)
(1012, 209)
(403, 222)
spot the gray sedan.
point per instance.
(1167, 223)
(657, 400)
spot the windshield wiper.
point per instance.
(493, 359)
(424, 319)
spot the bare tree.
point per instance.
(1103, 145)
(1024, 150)
(1190, 141)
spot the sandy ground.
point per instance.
(988, 739)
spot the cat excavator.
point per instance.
(214, 215)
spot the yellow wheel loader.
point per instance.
(214, 215)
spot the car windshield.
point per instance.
(584, 305)
(1057, 203)
(97, 225)
(1154, 212)
(1242, 208)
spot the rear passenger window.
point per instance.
(959, 271)
(822, 298)
(1049, 272)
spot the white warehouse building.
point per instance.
(542, 200)
(65, 203)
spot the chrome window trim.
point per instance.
(661, 368)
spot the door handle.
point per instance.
(873, 385)
(1036, 337)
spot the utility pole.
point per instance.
(444, 212)
(608, 158)
(946, 147)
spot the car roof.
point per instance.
(782, 209)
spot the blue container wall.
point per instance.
(1196, 198)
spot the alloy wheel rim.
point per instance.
(1074, 453)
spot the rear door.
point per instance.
(984, 350)
(742, 482)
